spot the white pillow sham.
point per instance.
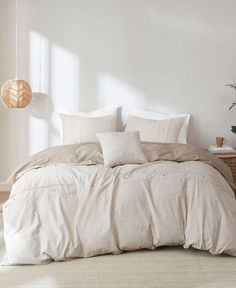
(81, 127)
(95, 113)
(121, 148)
(164, 131)
(183, 133)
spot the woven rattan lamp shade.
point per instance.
(16, 94)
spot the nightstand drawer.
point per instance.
(231, 162)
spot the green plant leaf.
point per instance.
(233, 129)
(232, 86)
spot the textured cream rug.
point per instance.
(164, 267)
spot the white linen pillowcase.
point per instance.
(121, 148)
(182, 137)
(81, 127)
(164, 131)
(95, 113)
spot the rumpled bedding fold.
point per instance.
(91, 154)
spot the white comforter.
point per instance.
(72, 209)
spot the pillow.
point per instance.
(96, 113)
(164, 131)
(82, 127)
(182, 137)
(121, 148)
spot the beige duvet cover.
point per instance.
(66, 204)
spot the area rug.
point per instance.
(165, 267)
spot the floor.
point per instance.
(163, 268)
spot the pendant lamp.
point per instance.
(16, 93)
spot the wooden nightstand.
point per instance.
(4, 191)
(230, 160)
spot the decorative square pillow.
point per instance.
(81, 127)
(121, 148)
(164, 131)
(183, 133)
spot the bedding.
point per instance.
(81, 127)
(119, 148)
(183, 133)
(165, 131)
(65, 204)
(95, 113)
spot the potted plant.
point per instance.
(233, 128)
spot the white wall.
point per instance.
(13, 130)
(170, 56)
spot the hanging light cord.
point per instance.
(40, 65)
(16, 39)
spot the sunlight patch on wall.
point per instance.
(38, 64)
(64, 78)
(113, 91)
(38, 76)
(54, 78)
(64, 85)
(38, 135)
(156, 105)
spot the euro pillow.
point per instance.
(110, 110)
(121, 148)
(82, 127)
(182, 137)
(163, 131)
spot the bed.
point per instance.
(66, 204)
